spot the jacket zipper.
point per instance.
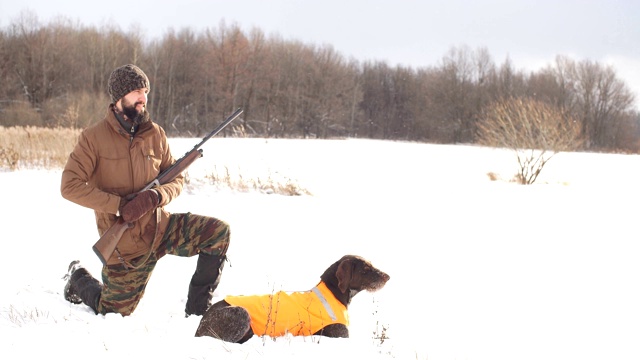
(130, 159)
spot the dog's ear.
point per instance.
(344, 273)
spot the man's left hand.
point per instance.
(140, 205)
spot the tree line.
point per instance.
(55, 74)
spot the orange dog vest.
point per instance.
(297, 313)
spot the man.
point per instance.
(111, 162)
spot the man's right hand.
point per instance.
(141, 204)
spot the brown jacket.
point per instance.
(107, 164)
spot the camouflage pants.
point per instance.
(186, 235)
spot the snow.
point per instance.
(479, 269)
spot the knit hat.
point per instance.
(124, 80)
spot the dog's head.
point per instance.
(352, 274)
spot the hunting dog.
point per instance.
(319, 311)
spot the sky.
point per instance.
(416, 33)
(480, 269)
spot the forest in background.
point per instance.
(55, 75)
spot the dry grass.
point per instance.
(48, 148)
(35, 147)
(23, 317)
(270, 183)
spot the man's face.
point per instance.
(134, 105)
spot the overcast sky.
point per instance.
(416, 33)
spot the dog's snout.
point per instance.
(385, 277)
(377, 280)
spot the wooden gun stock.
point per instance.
(106, 245)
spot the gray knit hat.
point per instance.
(124, 80)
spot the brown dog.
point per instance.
(319, 311)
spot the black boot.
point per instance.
(81, 287)
(203, 283)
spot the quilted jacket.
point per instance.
(108, 163)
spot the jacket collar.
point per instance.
(117, 126)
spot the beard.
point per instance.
(131, 112)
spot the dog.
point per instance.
(319, 311)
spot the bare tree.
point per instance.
(377, 99)
(599, 101)
(458, 90)
(534, 130)
(604, 101)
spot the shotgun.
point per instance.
(106, 245)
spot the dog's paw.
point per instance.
(229, 324)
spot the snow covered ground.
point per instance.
(479, 269)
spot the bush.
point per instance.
(534, 130)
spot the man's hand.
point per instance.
(141, 204)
